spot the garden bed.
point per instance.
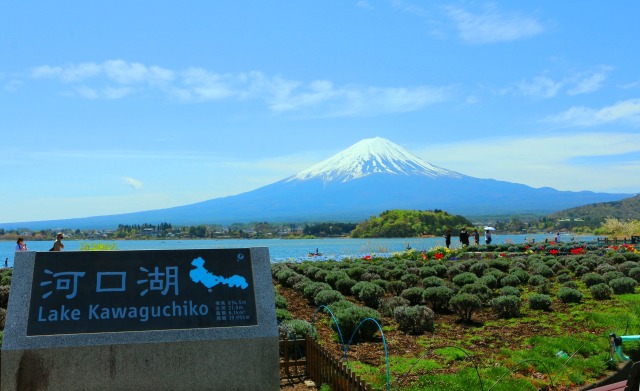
(500, 347)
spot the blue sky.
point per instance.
(120, 106)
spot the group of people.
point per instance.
(57, 245)
(465, 236)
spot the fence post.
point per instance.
(323, 368)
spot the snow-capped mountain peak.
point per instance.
(370, 157)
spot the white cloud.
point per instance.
(492, 25)
(628, 110)
(407, 99)
(129, 73)
(472, 100)
(119, 71)
(133, 183)
(588, 83)
(119, 154)
(408, 7)
(207, 85)
(69, 73)
(317, 92)
(631, 85)
(541, 87)
(116, 93)
(621, 110)
(545, 161)
(13, 85)
(201, 84)
(364, 5)
(544, 87)
(110, 93)
(317, 98)
(322, 98)
(88, 93)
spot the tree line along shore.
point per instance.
(389, 224)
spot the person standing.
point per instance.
(487, 236)
(57, 245)
(447, 238)
(476, 237)
(21, 245)
(464, 237)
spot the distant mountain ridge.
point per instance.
(364, 180)
(625, 209)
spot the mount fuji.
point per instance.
(370, 157)
(365, 179)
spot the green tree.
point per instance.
(199, 231)
(409, 223)
(620, 228)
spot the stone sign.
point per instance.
(159, 311)
(89, 292)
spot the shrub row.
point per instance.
(401, 287)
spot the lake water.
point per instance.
(286, 249)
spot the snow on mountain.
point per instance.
(368, 157)
(364, 180)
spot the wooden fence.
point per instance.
(293, 361)
(306, 359)
(632, 240)
(323, 368)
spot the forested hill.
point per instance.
(409, 223)
(625, 209)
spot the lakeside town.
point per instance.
(265, 230)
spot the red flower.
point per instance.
(424, 256)
(367, 257)
(439, 256)
(503, 254)
(553, 251)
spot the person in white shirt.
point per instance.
(21, 245)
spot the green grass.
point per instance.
(467, 379)
(632, 299)
(514, 367)
(425, 341)
(401, 365)
(373, 375)
(451, 353)
(389, 328)
(589, 357)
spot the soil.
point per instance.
(489, 340)
(296, 385)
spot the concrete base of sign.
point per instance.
(218, 358)
(192, 365)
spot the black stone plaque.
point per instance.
(113, 291)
